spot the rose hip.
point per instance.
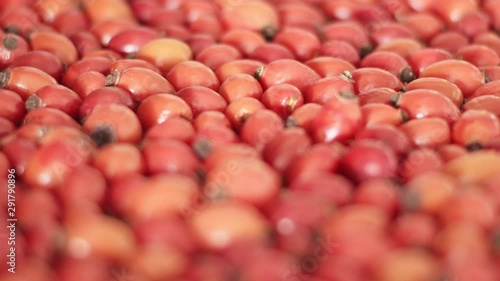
(450, 41)
(56, 44)
(131, 40)
(105, 30)
(170, 156)
(218, 54)
(478, 55)
(12, 47)
(209, 138)
(239, 110)
(341, 50)
(420, 59)
(369, 78)
(98, 11)
(21, 20)
(488, 103)
(47, 116)
(461, 73)
(286, 71)
(104, 95)
(98, 64)
(246, 41)
(117, 160)
(419, 161)
(303, 44)
(42, 60)
(380, 113)
(113, 123)
(327, 88)
(421, 103)
(348, 31)
(401, 46)
(211, 118)
(176, 128)
(270, 52)
(141, 83)
(439, 85)
(11, 106)
(387, 134)
(329, 67)
(153, 52)
(240, 85)
(261, 127)
(254, 15)
(198, 75)
(201, 99)
(381, 193)
(282, 99)
(25, 80)
(475, 128)
(88, 82)
(244, 66)
(388, 31)
(427, 132)
(55, 96)
(381, 95)
(285, 146)
(85, 42)
(433, 24)
(158, 108)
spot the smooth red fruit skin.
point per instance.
(42, 60)
(241, 183)
(244, 66)
(475, 127)
(85, 42)
(246, 41)
(158, 108)
(348, 31)
(440, 85)
(7, 127)
(51, 163)
(12, 46)
(116, 120)
(341, 50)
(302, 15)
(131, 40)
(401, 46)
(377, 95)
(387, 134)
(54, 43)
(270, 52)
(70, 22)
(211, 118)
(328, 88)
(170, 156)
(98, 64)
(123, 64)
(88, 82)
(419, 161)
(240, 85)
(489, 103)
(381, 193)
(303, 116)
(239, 110)
(433, 24)
(21, 20)
(104, 95)
(318, 158)
(199, 42)
(448, 152)
(335, 188)
(303, 44)
(55, 96)
(176, 128)
(286, 71)
(369, 159)
(285, 146)
(380, 113)
(449, 41)
(420, 59)
(261, 127)
(141, 83)
(104, 31)
(337, 122)
(25, 80)
(19, 152)
(391, 62)
(11, 106)
(47, 116)
(489, 39)
(283, 99)
(421, 103)
(329, 67)
(388, 31)
(192, 73)
(478, 55)
(369, 78)
(491, 73)
(209, 138)
(118, 160)
(490, 88)
(84, 187)
(427, 132)
(218, 54)
(201, 99)
(414, 229)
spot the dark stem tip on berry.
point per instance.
(33, 102)
(113, 78)
(203, 148)
(474, 146)
(365, 50)
(103, 135)
(395, 99)
(4, 78)
(10, 43)
(13, 29)
(406, 75)
(258, 72)
(269, 32)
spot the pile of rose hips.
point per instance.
(244, 140)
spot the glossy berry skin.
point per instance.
(158, 108)
(286, 71)
(282, 99)
(475, 128)
(440, 85)
(423, 103)
(329, 67)
(261, 127)
(427, 132)
(369, 159)
(387, 134)
(369, 78)
(328, 88)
